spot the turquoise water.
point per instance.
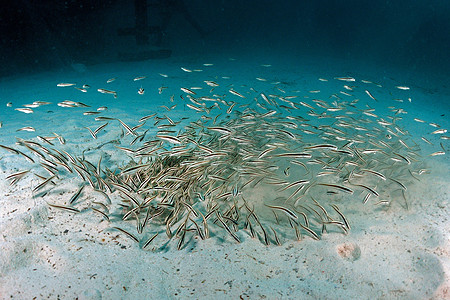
(286, 154)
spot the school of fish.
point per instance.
(270, 164)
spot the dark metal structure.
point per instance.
(142, 32)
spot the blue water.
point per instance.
(46, 35)
(252, 47)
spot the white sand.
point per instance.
(46, 253)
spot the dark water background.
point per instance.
(47, 35)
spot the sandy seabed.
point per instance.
(396, 253)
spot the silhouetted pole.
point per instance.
(140, 9)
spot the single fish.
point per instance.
(25, 110)
(27, 128)
(65, 84)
